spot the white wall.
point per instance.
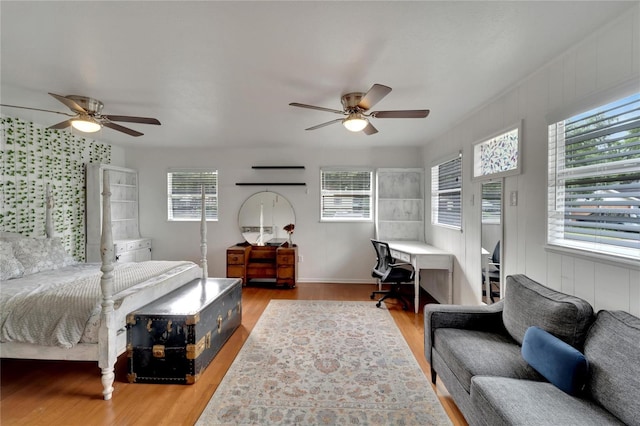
(332, 252)
(589, 71)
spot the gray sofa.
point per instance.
(476, 352)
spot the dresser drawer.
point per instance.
(235, 258)
(235, 271)
(138, 244)
(286, 272)
(286, 259)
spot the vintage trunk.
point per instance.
(173, 339)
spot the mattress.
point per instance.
(62, 307)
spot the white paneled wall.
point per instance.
(332, 252)
(593, 70)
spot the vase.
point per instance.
(290, 242)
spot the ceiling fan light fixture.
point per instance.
(86, 124)
(355, 122)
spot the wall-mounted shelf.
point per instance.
(271, 184)
(277, 167)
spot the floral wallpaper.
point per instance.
(32, 157)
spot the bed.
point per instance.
(57, 309)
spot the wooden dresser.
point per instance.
(270, 262)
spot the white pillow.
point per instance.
(37, 255)
(10, 267)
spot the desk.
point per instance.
(423, 256)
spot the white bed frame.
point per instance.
(112, 339)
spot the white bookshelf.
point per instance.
(400, 204)
(129, 246)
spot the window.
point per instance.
(184, 194)
(346, 195)
(594, 180)
(497, 156)
(446, 193)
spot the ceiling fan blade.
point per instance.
(373, 96)
(410, 113)
(337, 120)
(370, 130)
(71, 104)
(61, 125)
(130, 119)
(335, 111)
(122, 129)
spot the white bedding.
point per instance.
(70, 299)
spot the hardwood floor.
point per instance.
(69, 393)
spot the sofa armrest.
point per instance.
(482, 317)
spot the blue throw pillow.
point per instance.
(559, 363)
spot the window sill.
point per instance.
(610, 259)
(442, 225)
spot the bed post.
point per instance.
(48, 221)
(203, 237)
(107, 336)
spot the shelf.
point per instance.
(123, 201)
(123, 185)
(271, 184)
(277, 167)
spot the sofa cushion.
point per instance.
(471, 352)
(528, 303)
(613, 350)
(505, 401)
(560, 363)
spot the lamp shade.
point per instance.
(355, 122)
(86, 124)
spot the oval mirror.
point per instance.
(262, 218)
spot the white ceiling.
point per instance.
(223, 73)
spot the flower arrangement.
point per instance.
(289, 228)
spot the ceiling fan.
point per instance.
(356, 106)
(88, 115)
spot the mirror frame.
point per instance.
(483, 285)
(277, 234)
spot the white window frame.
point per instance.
(437, 192)
(557, 223)
(494, 139)
(211, 196)
(326, 194)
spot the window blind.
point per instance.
(491, 202)
(594, 180)
(346, 194)
(184, 196)
(446, 193)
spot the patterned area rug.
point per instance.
(324, 363)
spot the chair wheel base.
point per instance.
(378, 304)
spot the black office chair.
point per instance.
(494, 275)
(389, 272)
